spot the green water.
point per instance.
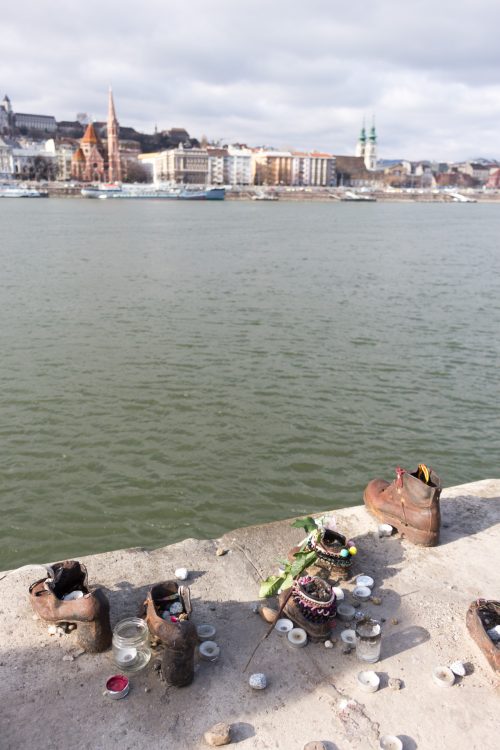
(181, 370)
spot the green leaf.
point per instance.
(302, 561)
(308, 524)
(271, 586)
(287, 582)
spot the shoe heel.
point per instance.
(94, 636)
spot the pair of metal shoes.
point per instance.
(63, 596)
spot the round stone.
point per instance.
(181, 574)
(258, 681)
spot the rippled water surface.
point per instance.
(171, 370)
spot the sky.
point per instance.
(299, 74)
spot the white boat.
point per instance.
(9, 191)
(148, 192)
(459, 198)
(350, 195)
(263, 196)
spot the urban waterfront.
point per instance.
(181, 370)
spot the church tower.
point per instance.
(114, 164)
(361, 144)
(371, 150)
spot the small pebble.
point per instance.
(181, 574)
(316, 745)
(68, 657)
(258, 681)
(147, 689)
(376, 600)
(70, 627)
(395, 683)
(35, 617)
(219, 734)
(220, 551)
(328, 644)
(255, 609)
(267, 613)
(52, 629)
(394, 621)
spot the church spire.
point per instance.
(114, 164)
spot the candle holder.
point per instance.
(131, 651)
(368, 639)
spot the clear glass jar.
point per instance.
(368, 640)
(131, 650)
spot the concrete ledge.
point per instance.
(47, 702)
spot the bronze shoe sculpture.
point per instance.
(64, 596)
(168, 607)
(410, 503)
(311, 606)
(483, 621)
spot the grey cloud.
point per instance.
(274, 72)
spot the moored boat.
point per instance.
(147, 192)
(9, 191)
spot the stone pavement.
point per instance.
(312, 694)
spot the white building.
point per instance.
(239, 165)
(6, 161)
(186, 166)
(217, 166)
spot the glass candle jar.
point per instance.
(131, 651)
(368, 640)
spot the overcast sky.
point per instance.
(288, 73)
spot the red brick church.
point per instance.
(90, 162)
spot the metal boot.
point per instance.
(168, 607)
(410, 503)
(52, 600)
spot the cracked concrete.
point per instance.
(49, 702)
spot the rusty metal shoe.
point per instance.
(311, 606)
(410, 503)
(483, 616)
(64, 596)
(168, 607)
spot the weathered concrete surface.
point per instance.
(46, 702)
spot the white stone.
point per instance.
(181, 574)
(258, 681)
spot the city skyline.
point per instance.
(276, 74)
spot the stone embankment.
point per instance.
(51, 697)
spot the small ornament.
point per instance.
(344, 553)
(352, 550)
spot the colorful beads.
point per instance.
(344, 553)
(352, 550)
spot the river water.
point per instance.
(181, 369)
